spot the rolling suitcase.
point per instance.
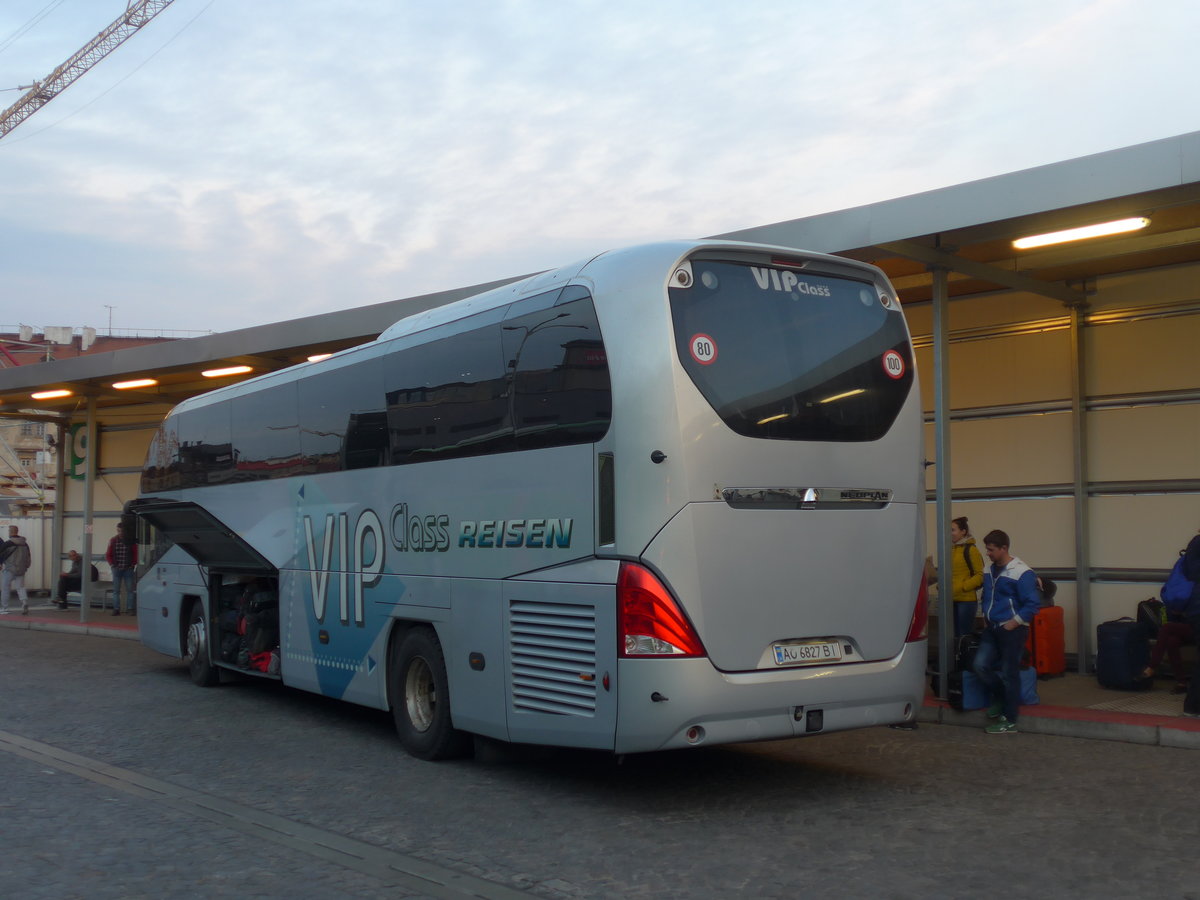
(1122, 654)
(1047, 642)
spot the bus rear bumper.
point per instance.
(677, 703)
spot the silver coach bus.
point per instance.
(667, 497)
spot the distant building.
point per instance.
(26, 468)
(27, 447)
(23, 345)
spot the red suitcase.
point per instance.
(1047, 642)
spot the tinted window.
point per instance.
(780, 353)
(561, 391)
(161, 472)
(447, 397)
(452, 391)
(342, 418)
(205, 451)
(266, 433)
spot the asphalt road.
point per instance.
(122, 779)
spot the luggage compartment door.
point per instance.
(203, 536)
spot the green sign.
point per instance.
(77, 448)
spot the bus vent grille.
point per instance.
(553, 658)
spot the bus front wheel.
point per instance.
(420, 698)
(203, 672)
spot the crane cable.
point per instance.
(37, 17)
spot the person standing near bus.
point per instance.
(122, 556)
(966, 576)
(16, 556)
(1010, 601)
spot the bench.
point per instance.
(102, 591)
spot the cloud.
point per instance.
(272, 159)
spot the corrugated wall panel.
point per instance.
(1150, 442)
(1018, 450)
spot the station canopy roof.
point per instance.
(967, 229)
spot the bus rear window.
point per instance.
(787, 355)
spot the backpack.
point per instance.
(1178, 589)
(1047, 591)
(967, 559)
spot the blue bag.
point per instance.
(1029, 694)
(1178, 589)
(974, 694)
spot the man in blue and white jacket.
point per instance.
(1010, 601)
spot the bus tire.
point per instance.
(195, 650)
(420, 696)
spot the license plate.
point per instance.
(807, 652)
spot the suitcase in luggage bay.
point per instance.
(1047, 642)
(1122, 654)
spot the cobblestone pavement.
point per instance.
(122, 779)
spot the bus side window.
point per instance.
(266, 433)
(447, 397)
(561, 389)
(205, 452)
(342, 421)
(162, 462)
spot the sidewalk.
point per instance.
(1071, 706)
(1075, 705)
(45, 616)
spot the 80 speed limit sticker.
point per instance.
(893, 364)
(704, 349)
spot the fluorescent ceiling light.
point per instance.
(853, 393)
(319, 357)
(50, 395)
(1120, 226)
(136, 383)
(231, 370)
(772, 418)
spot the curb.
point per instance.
(95, 629)
(1089, 724)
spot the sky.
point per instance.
(238, 163)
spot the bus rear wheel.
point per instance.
(203, 672)
(420, 696)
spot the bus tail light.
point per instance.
(650, 621)
(918, 628)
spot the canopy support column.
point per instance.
(1079, 438)
(89, 491)
(60, 501)
(941, 425)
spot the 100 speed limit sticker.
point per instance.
(893, 364)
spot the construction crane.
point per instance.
(137, 14)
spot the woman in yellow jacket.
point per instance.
(966, 576)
